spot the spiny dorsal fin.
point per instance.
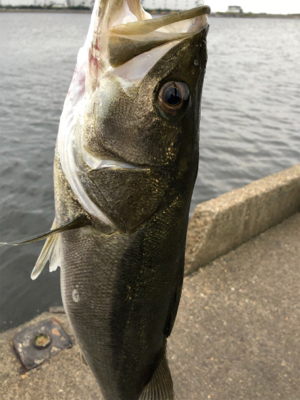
(78, 222)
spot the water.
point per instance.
(249, 127)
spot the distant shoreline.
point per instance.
(32, 9)
(253, 15)
(44, 10)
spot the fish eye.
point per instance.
(173, 96)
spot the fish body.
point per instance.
(126, 161)
(136, 162)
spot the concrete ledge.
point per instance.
(222, 224)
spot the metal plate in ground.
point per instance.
(40, 342)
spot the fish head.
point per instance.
(136, 142)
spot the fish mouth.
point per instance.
(126, 34)
(142, 36)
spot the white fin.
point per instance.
(55, 259)
(49, 252)
(43, 257)
(160, 386)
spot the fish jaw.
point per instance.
(106, 15)
(123, 31)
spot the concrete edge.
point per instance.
(224, 223)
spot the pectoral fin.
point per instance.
(44, 256)
(50, 252)
(76, 223)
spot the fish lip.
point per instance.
(142, 36)
(150, 25)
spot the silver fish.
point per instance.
(126, 161)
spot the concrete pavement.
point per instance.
(224, 223)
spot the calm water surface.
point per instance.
(249, 127)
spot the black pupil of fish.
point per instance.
(173, 96)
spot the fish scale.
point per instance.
(130, 330)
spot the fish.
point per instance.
(126, 161)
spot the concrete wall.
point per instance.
(222, 224)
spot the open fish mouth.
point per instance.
(129, 42)
(142, 36)
(123, 42)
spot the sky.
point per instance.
(256, 6)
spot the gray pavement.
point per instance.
(236, 336)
